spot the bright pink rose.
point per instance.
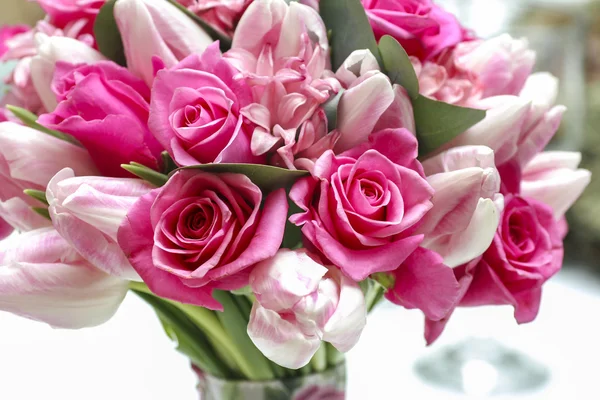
(283, 53)
(361, 207)
(422, 28)
(221, 15)
(301, 302)
(195, 111)
(66, 13)
(527, 250)
(106, 108)
(201, 232)
(9, 31)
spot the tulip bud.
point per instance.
(152, 28)
(301, 302)
(44, 279)
(466, 204)
(87, 212)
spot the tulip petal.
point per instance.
(42, 279)
(279, 340)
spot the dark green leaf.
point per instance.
(224, 41)
(147, 174)
(43, 211)
(168, 165)
(397, 65)
(108, 37)
(331, 110)
(266, 177)
(292, 237)
(350, 29)
(236, 324)
(438, 122)
(191, 341)
(36, 194)
(30, 119)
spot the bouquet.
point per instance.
(264, 173)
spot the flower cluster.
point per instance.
(223, 156)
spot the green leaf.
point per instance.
(108, 37)
(43, 211)
(350, 29)
(147, 174)
(438, 122)
(190, 339)
(36, 194)
(30, 119)
(331, 110)
(224, 40)
(168, 165)
(266, 177)
(397, 65)
(236, 325)
(292, 236)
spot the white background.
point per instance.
(130, 358)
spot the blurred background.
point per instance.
(38, 362)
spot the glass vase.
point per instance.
(326, 385)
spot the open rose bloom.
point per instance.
(263, 184)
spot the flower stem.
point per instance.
(319, 360)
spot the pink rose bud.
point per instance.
(360, 208)
(156, 28)
(299, 303)
(50, 50)
(502, 64)
(201, 232)
(45, 279)
(423, 28)
(553, 178)
(195, 111)
(87, 211)
(466, 203)
(119, 99)
(28, 160)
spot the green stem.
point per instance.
(374, 296)
(334, 357)
(319, 360)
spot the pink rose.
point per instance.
(201, 232)
(28, 160)
(9, 31)
(44, 279)
(195, 111)
(422, 28)
(299, 303)
(65, 13)
(97, 102)
(362, 206)
(221, 15)
(87, 211)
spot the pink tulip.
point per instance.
(28, 160)
(50, 50)
(87, 212)
(371, 104)
(358, 63)
(466, 204)
(283, 53)
(5, 229)
(44, 279)
(300, 303)
(553, 178)
(152, 28)
(221, 15)
(501, 64)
